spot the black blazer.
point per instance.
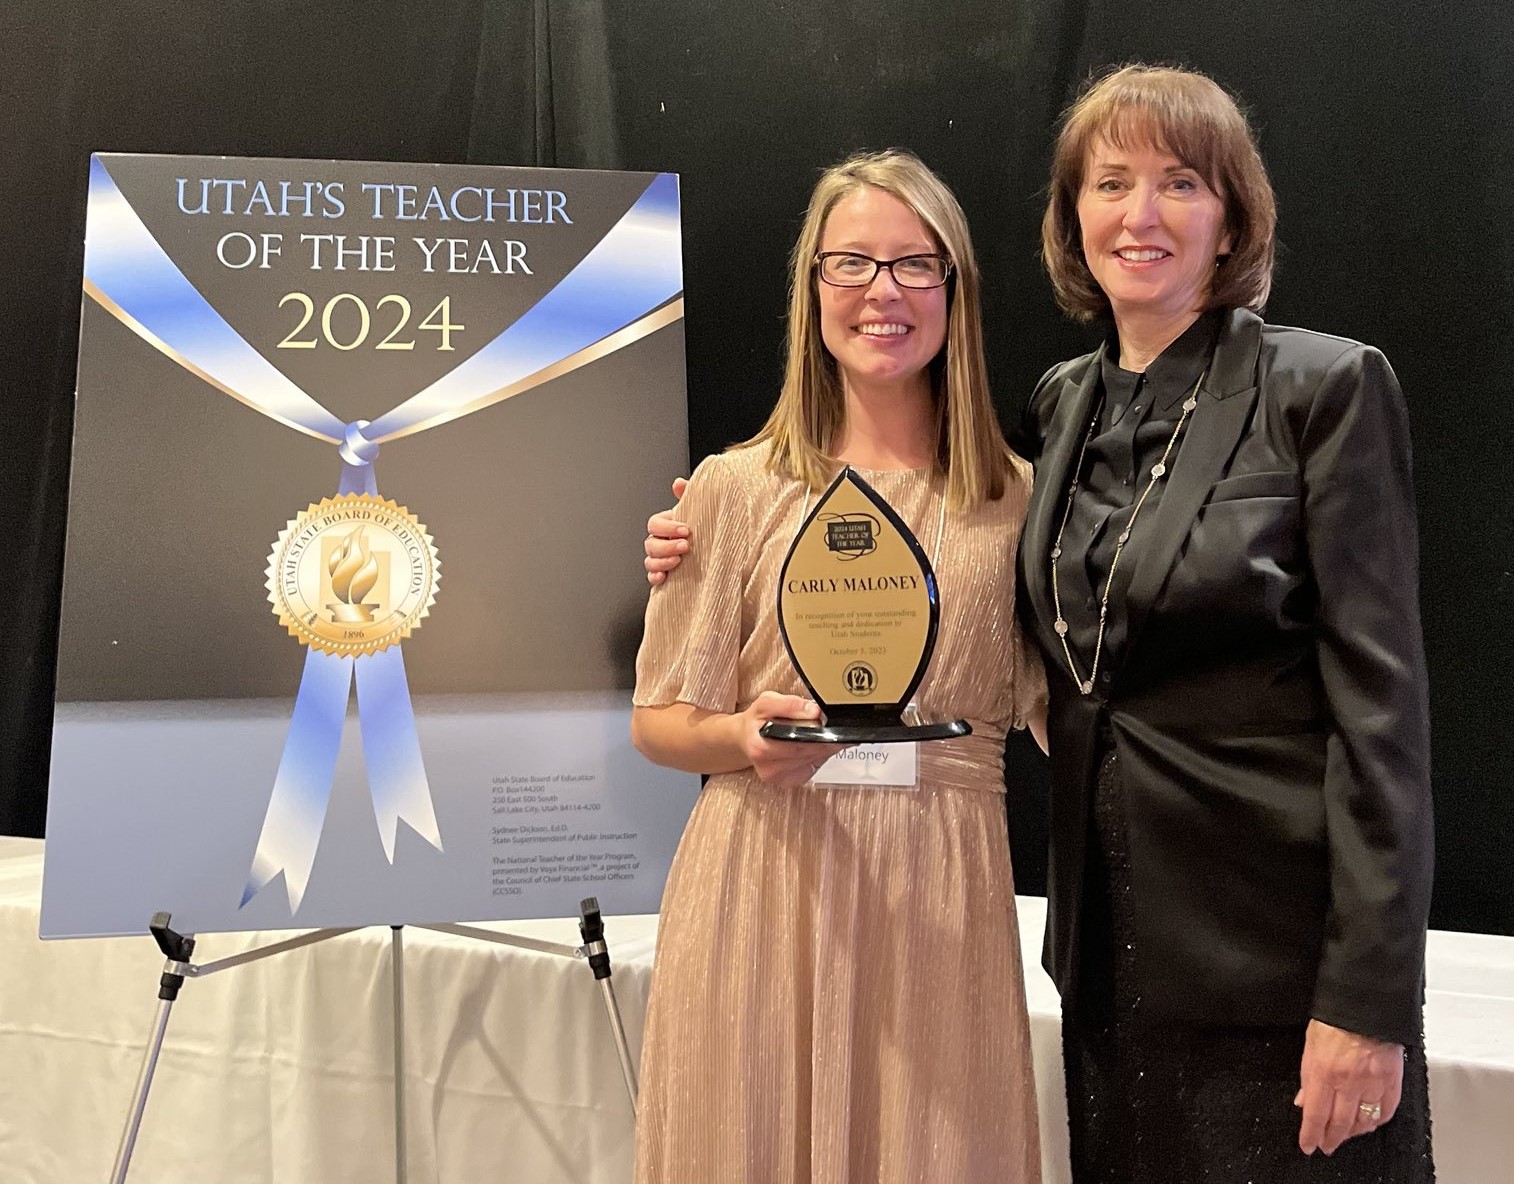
(1269, 707)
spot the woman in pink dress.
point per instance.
(838, 994)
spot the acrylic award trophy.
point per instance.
(858, 609)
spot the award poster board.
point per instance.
(351, 603)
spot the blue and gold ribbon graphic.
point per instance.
(627, 287)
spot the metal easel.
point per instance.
(178, 949)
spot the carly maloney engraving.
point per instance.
(353, 575)
(901, 583)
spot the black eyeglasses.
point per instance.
(846, 269)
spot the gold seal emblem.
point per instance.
(353, 575)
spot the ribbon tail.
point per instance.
(392, 750)
(297, 807)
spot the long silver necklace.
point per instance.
(1158, 471)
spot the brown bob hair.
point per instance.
(1192, 117)
(970, 450)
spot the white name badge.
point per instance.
(891, 766)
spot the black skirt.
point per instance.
(1168, 1105)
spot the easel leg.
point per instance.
(591, 928)
(139, 1098)
(618, 1030)
(397, 965)
(178, 949)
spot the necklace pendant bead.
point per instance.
(1192, 402)
(1124, 537)
(1061, 627)
(1157, 470)
(1056, 552)
(1086, 686)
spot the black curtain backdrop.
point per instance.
(1384, 124)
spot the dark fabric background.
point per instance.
(1384, 123)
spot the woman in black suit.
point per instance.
(1220, 565)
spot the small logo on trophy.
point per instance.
(851, 536)
(858, 608)
(860, 679)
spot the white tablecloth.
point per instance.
(281, 1072)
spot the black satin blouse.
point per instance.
(1137, 413)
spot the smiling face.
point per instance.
(1152, 229)
(883, 334)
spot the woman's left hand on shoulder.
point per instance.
(1344, 1077)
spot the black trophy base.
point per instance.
(869, 733)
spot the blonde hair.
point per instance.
(1191, 116)
(970, 449)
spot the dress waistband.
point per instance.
(966, 762)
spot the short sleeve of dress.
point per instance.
(692, 643)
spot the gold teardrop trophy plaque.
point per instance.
(858, 608)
